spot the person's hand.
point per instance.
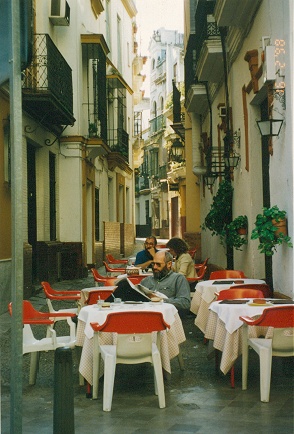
(152, 251)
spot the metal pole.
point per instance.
(63, 408)
(17, 222)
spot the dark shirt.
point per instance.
(143, 256)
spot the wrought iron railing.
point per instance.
(205, 27)
(163, 172)
(157, 124)
(49, 72)
(118, 141)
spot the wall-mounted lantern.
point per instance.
(177, 151)
(270, 127)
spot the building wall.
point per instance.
(271, 19)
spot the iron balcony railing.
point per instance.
(144, 182)
(163, 172)
(47, 84)
(206, 27)
(157, 124)
(118, 141)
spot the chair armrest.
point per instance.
(39, 321)
(63, 297)
(249, 321)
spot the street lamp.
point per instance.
(270, 127)
(177, 151)
(232, 160)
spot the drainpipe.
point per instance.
(227, 138)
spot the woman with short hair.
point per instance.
(184, 264)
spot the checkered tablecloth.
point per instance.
(230, 344)
(169, 346)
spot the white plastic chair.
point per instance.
(50, 342)
(135, 344)
(281, 318)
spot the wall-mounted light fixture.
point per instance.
(232, 160)
(177, 151)
(270, 127)
(209, 179)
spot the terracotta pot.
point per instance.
(281, 227)
(242, 231)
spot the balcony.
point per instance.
(144, 184)
(47, 93)
(176, 173)
(209, 62)
(163, 173)
(118, 142)
(157, 124)
(229, 13)
(196, 99)
(178, 117)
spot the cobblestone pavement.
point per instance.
(197, 399)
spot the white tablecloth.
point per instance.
(205, 294)
(230, 343)
(92, 313)
(169, 340)
(229, 313)
(207, 288)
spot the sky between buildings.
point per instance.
(153, 14)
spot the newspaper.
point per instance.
(146, 292)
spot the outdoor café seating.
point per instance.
(281, 319)
(226, 274)
(51, 342)
(134, 345)
(52, 294)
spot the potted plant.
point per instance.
(234, 237)
(266, 230)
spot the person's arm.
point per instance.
(177, 289)
(142, 260)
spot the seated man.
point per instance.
(174, 285)
(144, 258)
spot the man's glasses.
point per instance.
(158, 264)
(149, 244)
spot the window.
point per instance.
(119, 53)
(108, 24)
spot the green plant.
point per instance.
(220, 211)
(265, 230)
(232, 236)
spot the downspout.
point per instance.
(227, 138)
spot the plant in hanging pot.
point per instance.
(235, 238)
(268, 233)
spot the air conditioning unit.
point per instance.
(59, 13)
(222, 111)
(269, 66)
